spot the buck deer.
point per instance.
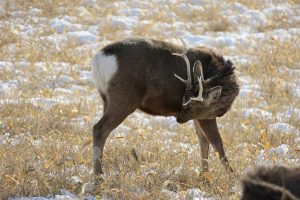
(139, 73)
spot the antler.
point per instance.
(225, 72)
(200, 79)
(188, 81)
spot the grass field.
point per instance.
(48, 103)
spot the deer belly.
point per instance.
(157, 107)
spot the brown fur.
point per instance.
(145, 80)
(272, 183)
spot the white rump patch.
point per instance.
(104, 67)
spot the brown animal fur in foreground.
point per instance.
(272, 183)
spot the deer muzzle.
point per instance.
(182, 118)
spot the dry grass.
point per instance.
(45, 148)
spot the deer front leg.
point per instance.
(210, 129)
(204, 146)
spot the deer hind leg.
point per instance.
(116, 109)
(204, 146)
(210, 129)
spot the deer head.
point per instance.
(200, 92)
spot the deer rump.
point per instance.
(142, 70)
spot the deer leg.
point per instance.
(210, 129)
(104, 99)
(101, 131)
(204, 146)
(115, 113)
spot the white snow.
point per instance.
(265, 156)
(280, 150)
(282, 9)
(123, 22)
(132, 12)
(61, 25)
(237, 7)
(35, 12)
(63, 90)
(65, 195)
(194, 193)
(82, 37)
(257, 113)
(9, 86)
(86, 76)
(122, 131)
(292, 112)
(75, 180)
(250, 90)
(49, 102)
(4, 65)
(63, 80)
(2, 12)
(281, 127)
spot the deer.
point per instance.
(147, 74)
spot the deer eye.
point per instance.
(229, 62)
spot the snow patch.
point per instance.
(194, 193)
(82, 37)
(61, 25)
(265, 156)
(133, 12)
(280, 150)
(281, 127)
(35, 12)
(122, 131)
(256, 112)
(86, 76)
(63, 80)
(123, 22)
(9, 86)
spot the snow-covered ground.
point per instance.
(241, 31)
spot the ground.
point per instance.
(48, 102)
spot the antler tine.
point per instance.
(187, 82)
(201, 70)
(184, 45)
(186, 103)
(199, 97)
(200, 80)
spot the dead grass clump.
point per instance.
(272, 58)
(7, 36)
(215, 20)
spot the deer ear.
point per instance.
(213, 95)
